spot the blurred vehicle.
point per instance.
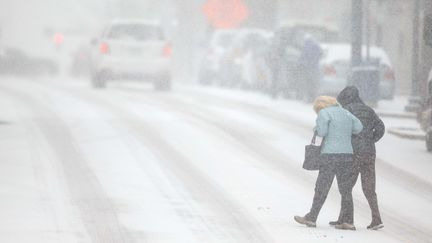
(81, 62)
(2, 58)
(296, 30)
(285, 50)
(133, 50)
(44, 66)
(255, 69)
(335, 69)
(16, 62)
(240, 62)
(425, 114)
(209, 69)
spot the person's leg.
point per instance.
(345, 174)
(353, 181)
(368, 180)
(322, 186)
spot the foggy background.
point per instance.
(31, 25)
(209, 146)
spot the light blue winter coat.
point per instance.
(336, 125)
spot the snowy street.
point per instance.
(128, 164)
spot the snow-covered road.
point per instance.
(128, 164)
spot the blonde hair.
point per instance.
(322, 102)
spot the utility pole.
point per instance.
(363, 75)
(426, 47)
(368, 30)
(415, 99)
(356, 32)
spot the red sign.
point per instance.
(58, 38)
(225, 14)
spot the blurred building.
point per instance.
(392, 27)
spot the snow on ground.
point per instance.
(194, 165)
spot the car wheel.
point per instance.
(99, 80)
(429, 140)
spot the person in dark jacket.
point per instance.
(364, 149)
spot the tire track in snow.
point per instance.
(97, 213)
(398, 228)
(238, 226)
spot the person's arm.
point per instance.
(357, 125)
(322, 123)
(378, 128)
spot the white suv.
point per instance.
(134, 50)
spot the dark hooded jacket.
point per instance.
(373, 126)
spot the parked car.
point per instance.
(132, 50)
(335, 69)
(238, 65)
(285, 50)
(81, 62)
(209, 70)
(14, 61)
(425, 114)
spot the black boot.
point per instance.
(375, 226)
(333, 223)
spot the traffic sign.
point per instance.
(58, 39)
(225, 14)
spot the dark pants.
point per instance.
(365, 166)
(341, 166)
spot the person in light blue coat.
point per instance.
(336, 125)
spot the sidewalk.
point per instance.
(398, 121)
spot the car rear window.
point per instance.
(138, 32)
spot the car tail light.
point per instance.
(389, 75)
(167, 50)
(329, 70)
(104, 48)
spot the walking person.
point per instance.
(336, 125)
(308, 68)
(364, 150)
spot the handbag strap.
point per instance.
(314, 138)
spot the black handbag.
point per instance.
(312, 155)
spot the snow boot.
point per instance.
(303, 220)
(375, 226)
(334, 223)
(345, 226)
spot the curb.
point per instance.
(408, 133)
(397, 115)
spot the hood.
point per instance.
(349, 95)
